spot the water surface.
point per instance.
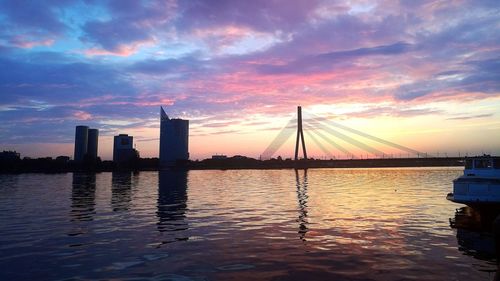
(319, 224)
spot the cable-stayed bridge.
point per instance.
(330, 137)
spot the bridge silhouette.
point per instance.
(320, 128)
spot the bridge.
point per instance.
(333, 135)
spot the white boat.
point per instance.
(479, 186)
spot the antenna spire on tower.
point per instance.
(163, 115)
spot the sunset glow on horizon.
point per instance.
(424, 75)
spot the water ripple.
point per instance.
(320, 224)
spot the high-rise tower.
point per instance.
(93, 139)
(81, 141)
(86, 141)
(174, 138)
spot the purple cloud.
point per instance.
(478, 76)
(35, 16)
(132, 23)
(53, 81)
(184, 65)
(262, 15)
(27, 24)
(328, 61)
(112, 35)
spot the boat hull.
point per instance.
(476, 192)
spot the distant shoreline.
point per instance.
(342, 163)
(239, 163)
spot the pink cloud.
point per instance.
(25, 43)
(82, 115)
(121, 50)
(160, 102)
(141, 100)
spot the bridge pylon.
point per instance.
(300, 135)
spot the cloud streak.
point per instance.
(333, 60)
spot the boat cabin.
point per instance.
(482, 166)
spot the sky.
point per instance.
(423, 74)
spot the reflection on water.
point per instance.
(83, 196)
(302, 199)
(172, 198)
(121, 191)
(475, 236)
(353, 224)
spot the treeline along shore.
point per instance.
(58, 165)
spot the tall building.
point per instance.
(93, 138)
(123, 149)
(81, 141)
(174, 138)
(86, 141)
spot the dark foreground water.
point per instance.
(323, 224)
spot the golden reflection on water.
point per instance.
(316, 224)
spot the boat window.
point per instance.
(468, 164)
(496, 163)
(482, 164)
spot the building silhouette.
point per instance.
(8, 156)
(92, 141)
(81, 141)
(86, 141)
(174, 138)
(123, 149)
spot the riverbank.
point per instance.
(151, 164)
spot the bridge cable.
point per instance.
(319, 144)
(348, 139)
(329, 140)
(280, 139)
(394, 145)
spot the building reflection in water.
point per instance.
(83, 196)
(475, 237)
(172, 204)
(302, 199)
(121, 191)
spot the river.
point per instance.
(316, 224)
